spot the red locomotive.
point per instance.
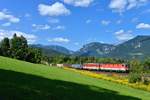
(114, 67)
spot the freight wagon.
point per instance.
(105, 67)
(63, 65)
(91, 66)
(77, 66)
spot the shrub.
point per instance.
(134, 77)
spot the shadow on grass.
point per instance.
(19, 86)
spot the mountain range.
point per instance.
(138, 47)
(53, 50)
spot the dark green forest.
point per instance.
(18, 48)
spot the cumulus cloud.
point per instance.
(59, 40)
(118, 5)
(6, 33)
(105, 22)
(56, 9)
(122, 35)
(143, 26)
(8, 17)
(79, 3)
(123, 5)
(41, 27)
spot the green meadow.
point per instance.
(21, 80)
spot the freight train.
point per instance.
(101, 67)
(105, 67)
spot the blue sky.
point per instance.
(73, 23)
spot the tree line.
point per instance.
(18, 48)
(79, 60)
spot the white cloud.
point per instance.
(59, 27)
(118, 5)
(46, 27)
(132, 4)
(88, 21)
(79, 3)
(41, 27)
(59, 40)
(8, 17)
(143, 26)
(6, 24)
(123, 5)
(105, 22)
(122, 35)
(55, 9)
(6, 33)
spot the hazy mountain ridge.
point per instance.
(95, 49)
(138, 47)
(52, 50)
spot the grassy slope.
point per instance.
(25, 81)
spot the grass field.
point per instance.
(25, 81)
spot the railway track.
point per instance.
(111, 73)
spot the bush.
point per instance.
(146, 81)
(134, 77)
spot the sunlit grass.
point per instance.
(26, 81)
